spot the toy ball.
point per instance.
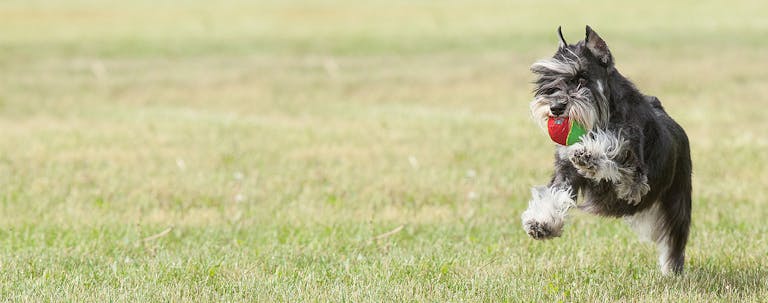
(564, 131)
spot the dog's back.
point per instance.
(654, 102)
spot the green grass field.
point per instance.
(354, 151)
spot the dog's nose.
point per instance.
(557, 109)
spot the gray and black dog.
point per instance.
(633, 163)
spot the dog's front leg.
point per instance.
(548, 207)
(613, 156)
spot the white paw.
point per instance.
(592, 163)
(545, 216)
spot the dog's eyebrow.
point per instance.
(551, 65)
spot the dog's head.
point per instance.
(574, 82)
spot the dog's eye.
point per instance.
(583, 81)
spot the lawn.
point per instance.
(354, 151)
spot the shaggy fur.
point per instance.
(633, 163)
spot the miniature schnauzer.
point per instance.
(634, 162)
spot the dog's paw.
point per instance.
(582, 159)
(591, 164)
(633, 190)
(540, 230)
(546, 213)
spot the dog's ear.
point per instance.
(562, 43)
(597, 47)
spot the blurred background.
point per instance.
(352, 150)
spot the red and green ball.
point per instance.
(564, 131)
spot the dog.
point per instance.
(634, 161)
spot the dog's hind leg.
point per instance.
(676, 217)
(666, 223)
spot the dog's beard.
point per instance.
(581, 108)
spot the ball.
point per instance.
(565, 131)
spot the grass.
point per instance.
(255, 151)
